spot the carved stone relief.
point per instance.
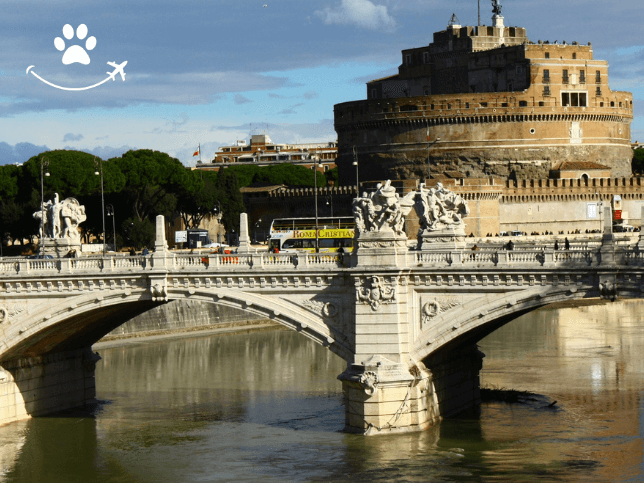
(435, 307)
(375, 292)
(323, 309)
(9, 311)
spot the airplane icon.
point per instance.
(118, 69)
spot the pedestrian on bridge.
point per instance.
(556, 245)
(566, 244)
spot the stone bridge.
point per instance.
(407, 322)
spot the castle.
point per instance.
(486, 101)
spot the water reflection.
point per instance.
(267, 407)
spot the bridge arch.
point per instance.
(77, 322)
(482, 316)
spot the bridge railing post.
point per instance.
(457, 258)
(502, 257)
(23, 266)
(65, 265)
(548, 258)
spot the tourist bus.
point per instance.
(298, 234)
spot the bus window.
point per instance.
(291, 243)
(328, 242)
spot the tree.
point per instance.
(286, 173)
(638, 161)
(153, 181)
(332, 177)
(195, 206)
(230, 198)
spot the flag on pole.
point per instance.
(198, 151)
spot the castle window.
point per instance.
(612, 103)
(425, 57)
(523, 103)
(373, 93)
(541, 103)
(504, 104)
(547, 55)
(407, 59)
(483, 104)
(574, 56)
(467, 105)
(546, 91)
(598, 91)
(573, 99)
(582, 76)
(601, 104)
(432, 107)
(546, 75)
(565, 76)
(598, 77)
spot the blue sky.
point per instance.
(212, 71)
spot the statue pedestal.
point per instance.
(446, 239)
(59, 247)
(383, 248)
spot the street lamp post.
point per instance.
(98, 170)
(44, 171)
(600, 208)
(316, 164)
(217, 210)
(355, 163)
(256, 228)
(327, 202)
(110, 212)
(429, 145)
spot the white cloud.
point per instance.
(362, 13)
(72, 137)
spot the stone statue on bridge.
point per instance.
(441, 208)
(59, 220)
(383, 211)
(441, 214)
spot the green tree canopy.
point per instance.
(153, 179)
(195, 206)
(638, 161)
(230, 198)
(288, 174)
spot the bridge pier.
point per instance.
(381, 396)
(36, 386)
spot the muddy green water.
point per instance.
(266, 406)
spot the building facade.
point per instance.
(262, 151)
(487, 101)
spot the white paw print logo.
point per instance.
(75, 53)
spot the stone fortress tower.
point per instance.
(501, 105)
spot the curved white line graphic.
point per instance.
(109, 76)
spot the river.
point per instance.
(266, 406)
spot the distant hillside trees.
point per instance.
(139, 185)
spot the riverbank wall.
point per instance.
(186, 316)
